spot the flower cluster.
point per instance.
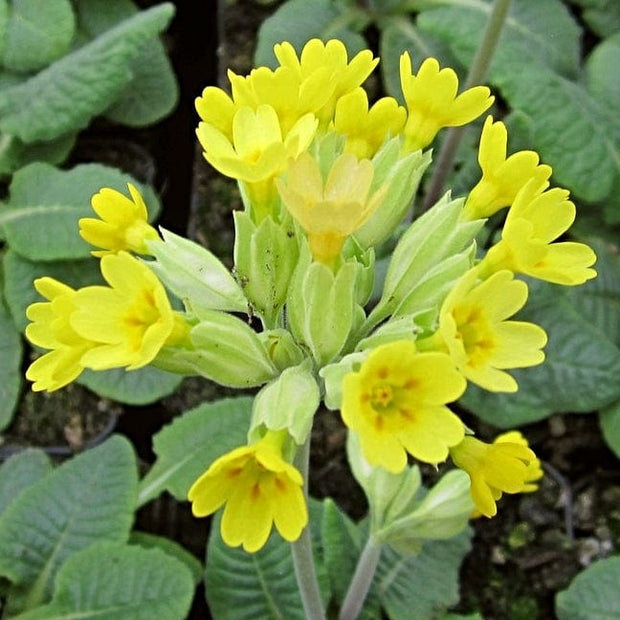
(325, 178)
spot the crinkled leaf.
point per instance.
(581, 369)
(422, 585)
(187, 446)
(86, 500)
(11, 349)
(135, 387)
(593, 594)
(19, 472)
(110, 580)
(37, 33)
(40, 218)
(171, 548)
(540, 32)
(15, 154)
(67, 94)
(19, 274)
(298, 21)
(603, 72)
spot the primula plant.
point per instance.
(305, 318)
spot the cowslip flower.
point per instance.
(338, 74)
(433, 103)
(259, 489)
(501, 467)
(502, 177)
(51, 329)
(331, 210)
(534, 470)
(534, 221)
(130, 320)
(366, 129)
(474, 331)
(257, 151)
(396, 403)
(123, 224)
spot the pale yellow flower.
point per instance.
(123, 224)
(502, 177)
(534, 221)
(502, 467)
(396, 403)
(258, 488)
(433, 103)
(331, 210)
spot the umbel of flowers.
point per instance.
(325, 178)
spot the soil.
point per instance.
(519, 560)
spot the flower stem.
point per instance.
(303, 560)
(477, 74)
(361, 582)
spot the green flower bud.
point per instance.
(402, 176)
(195, 275)
(321, 306)
(265, 257)
(288, 402)
(225, 350)
(281, 347)
(333, 374)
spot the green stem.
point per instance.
(477, 74)
(361, 582)
(303, 560)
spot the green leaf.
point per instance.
(40, 218)
(537, 32)
(171, 548)
(66, 95)
(37, 33)
(19, 274)
(191, 442)
(609, 420)
(136, 387)
(19, 472)
(153, 91)
(111, 581)
(11, 350)
(244, 586)
(15, 154)
(580, 373)
(298, 21)
(593, 594)
(425, 584)
(603, 16)
(86, 500)
(603, 72)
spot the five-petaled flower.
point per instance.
(259, 489)
(396, 402)
(500, 467)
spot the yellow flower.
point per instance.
(51, 329)
(332, 210)
(130, 321)
(123, 224)
(534, 469)
(257, 151)
(338, 76)
(502, 177)
(217, 109)
(259, 489)
(502, 467)
(432, 101)
(479, 339)
(396, 402)
(367, 129)
(533, 222)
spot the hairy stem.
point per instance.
(303, 560)
(477, 74)
(361, 582)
